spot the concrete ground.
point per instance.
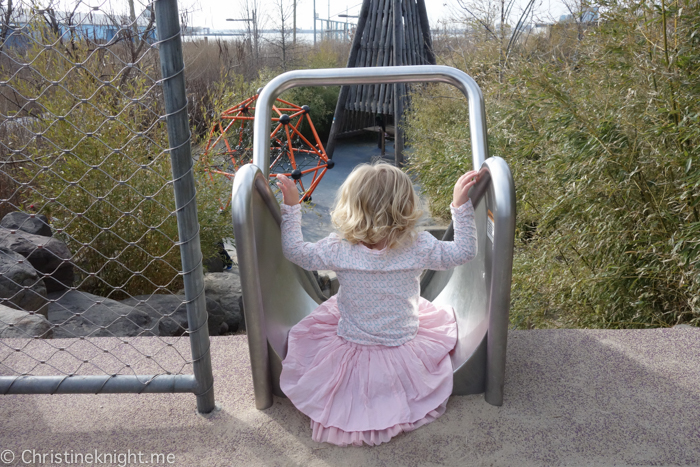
(572, 397)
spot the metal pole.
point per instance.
(97, 384)
(173, 68)
(255, 35)
(364, 75)
(314, 22)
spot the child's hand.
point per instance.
(465, 182)
(290, 194)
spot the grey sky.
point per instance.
(213, 13)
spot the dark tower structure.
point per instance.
(389, 33)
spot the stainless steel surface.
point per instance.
(500, 199)
(172, 67)
(383, 75)
(479, 291)
(274, 292)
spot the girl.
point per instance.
(373, 360)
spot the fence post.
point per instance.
(172, 67)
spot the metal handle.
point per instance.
(369, 75)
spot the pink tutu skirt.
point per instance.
(357, 393)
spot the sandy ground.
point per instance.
(572, 397)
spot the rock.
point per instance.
(168, 311)
(20, 284)
(214, 264)
(19, 323)
(229, 308)
(216, 317)
(76, 314)
(223, 283)
(224, 303)
(36, 224)
(50, 256)
(224, 288)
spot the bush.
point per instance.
(602, 136)
(322, 102)
(237, 81)
(100, 170)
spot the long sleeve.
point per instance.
(438, 255)
(310, 256)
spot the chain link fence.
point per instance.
(101, 282)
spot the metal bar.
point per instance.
(172, 67)
(346, 76)
(242, 216)
(503, 241)
(94, 384)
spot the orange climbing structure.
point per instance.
(230, 145)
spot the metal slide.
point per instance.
(277, 294)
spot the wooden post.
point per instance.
(398, 87)
(425, 29)
(342, 97)
(382, 130)
(384, 56)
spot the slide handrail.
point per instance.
(369, 75)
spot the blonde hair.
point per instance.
(377, 202)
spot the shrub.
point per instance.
(237, 81)
(322, 102)
(602, 136)
(100, 169)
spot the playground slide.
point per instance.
(277, 294)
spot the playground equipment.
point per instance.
(277, 294)
(389, 33)
(230, 145)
